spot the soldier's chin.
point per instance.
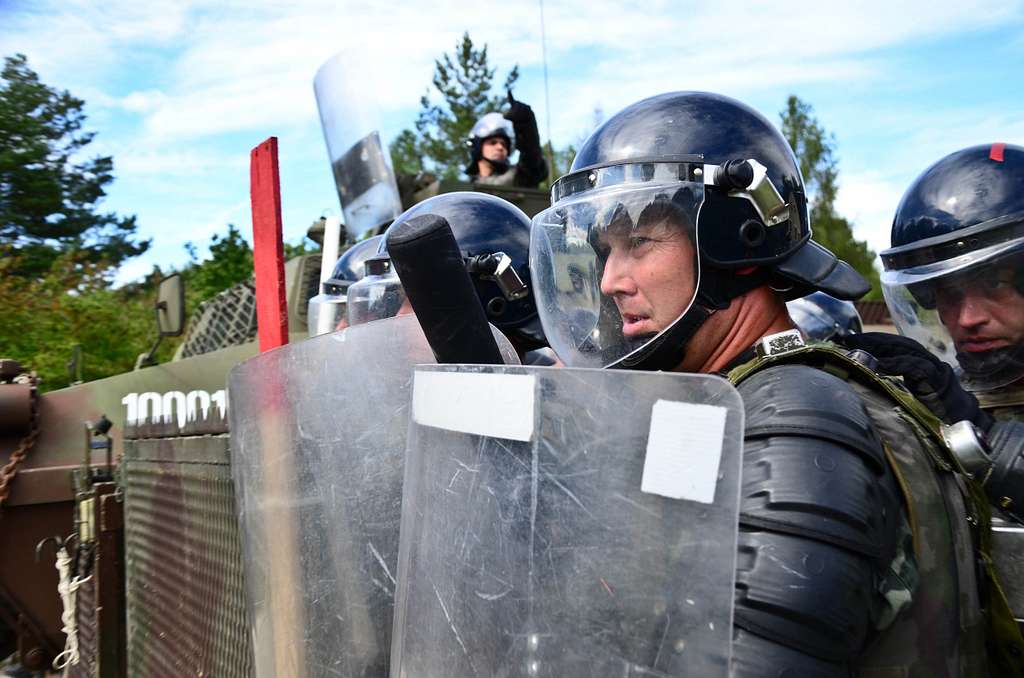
(985, 364)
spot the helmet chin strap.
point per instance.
(498, 166)
(717, 290)
(666, 351)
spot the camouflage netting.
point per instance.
(228, 319)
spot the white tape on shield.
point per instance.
(684, 449)
(483, 404)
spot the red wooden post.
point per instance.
(268, 246)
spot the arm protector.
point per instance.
(531, 169)
(1005, 486)
(819, 525)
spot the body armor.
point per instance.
(1004, 403)
(507, 178)
(919, 565)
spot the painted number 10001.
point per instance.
(155, 407)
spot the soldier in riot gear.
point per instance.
(954, 276)
(954, 281)
(493, 236)
(493, 139)
(673, 244)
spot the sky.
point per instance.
(180, 91)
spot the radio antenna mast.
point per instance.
(547, 95)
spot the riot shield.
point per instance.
(568, 522)
(360, 160)
(318, 432)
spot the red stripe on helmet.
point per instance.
(997, 152)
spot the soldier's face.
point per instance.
(984, 312)
(495, 149)
(649, 271)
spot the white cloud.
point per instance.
(869, 200)
(143, 101)
(171, 79)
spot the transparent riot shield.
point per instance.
(318, 438)
(568, 522)
(360, 160)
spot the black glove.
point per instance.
(518, 112)
(928, 378)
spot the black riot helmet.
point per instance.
(494, 238)
(822, 317)
(687, 169)
(954, 276)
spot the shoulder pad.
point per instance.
(804, 596)
(808, 402)
(813, 464)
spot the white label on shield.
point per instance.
(483, 404)
(684, 449)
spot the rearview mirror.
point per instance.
(170, 306)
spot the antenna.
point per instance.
(547, 93)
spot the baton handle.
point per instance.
(429, 263)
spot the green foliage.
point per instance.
(230, 263)
(464, 82)
(48, 195)
(406, 156)
(560, 161)
(815, 151)
(43, 320)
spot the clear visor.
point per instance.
(616, 266)
(375, 297)
(325, 313)
(968, 310)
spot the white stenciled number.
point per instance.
(173, 406)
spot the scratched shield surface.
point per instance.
(588, 529)
(317, 452)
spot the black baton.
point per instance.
(427, 260)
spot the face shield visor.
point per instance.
(378, 295)
(963, 298)
(615, 259)
(329, 303)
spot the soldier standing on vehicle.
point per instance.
(686, 217)
(493, 139)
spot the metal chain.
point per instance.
(10, 469)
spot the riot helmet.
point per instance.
(701, 189)
(954, 276)
(490, 125)
(334, 291)
(494, 238)
(379, 293)
(823, 317)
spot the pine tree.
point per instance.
(49, 195)
(464, 80)
(815, 151)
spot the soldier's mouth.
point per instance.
(980, 344)
(634, 324)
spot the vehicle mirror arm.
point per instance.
(146, 359)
